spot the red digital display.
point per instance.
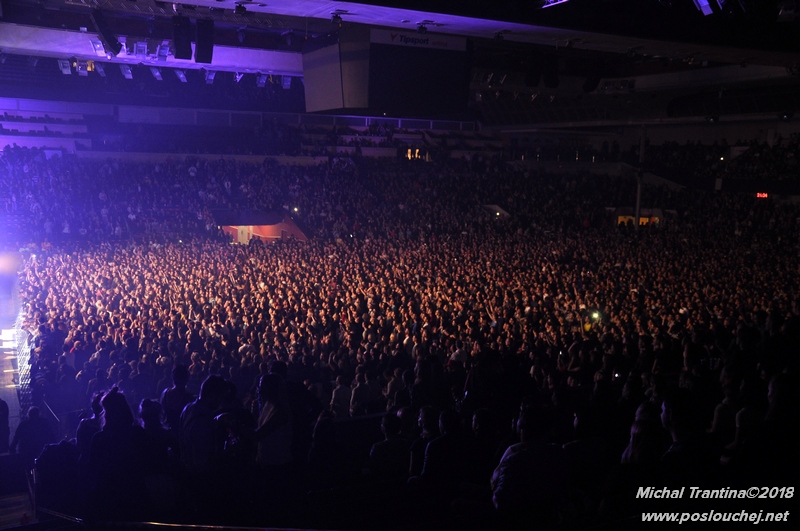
(762, 195)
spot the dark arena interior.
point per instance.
(399, 265)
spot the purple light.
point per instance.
(704, 7)
(551, 3)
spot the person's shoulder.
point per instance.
(138, 433)
(419, 442)
(437, 443)
(514, 450)
(191, 408)
(89, 422)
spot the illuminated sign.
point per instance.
(415, 40)
(762, 195)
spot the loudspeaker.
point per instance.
(533, 74)
(591, 83)
(182, 37)
(550, 72)
(107, 37)
(204, 48)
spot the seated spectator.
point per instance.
(360, 396)
(428, 422)
(388, 459)
(327, 466)
(89, 426)
(31, 436)
(340, 401)
(531, 481)
(690, 457)
(487, 440)
(446, 456)
(118, 462)
(175, 398)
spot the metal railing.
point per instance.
(23, 362)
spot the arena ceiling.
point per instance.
(664, 49)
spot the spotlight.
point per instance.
(210, 77)
(551, 3)
(98, 48)
(336, 18)
(704, 6)
(422, 28)
(239, 9)
(238, 76)
(181, 75)
(63, 65)
(162, 52)
(126, 71)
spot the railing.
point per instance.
(23, 362)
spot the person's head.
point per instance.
(645, 443)
(533, 423)
(408, 418)
(648, 411)
(269, 388)
(449, 422)
(34, 412)
(124, 371)
(97, 407)
(679, 412)
(212, 391)
(116, 412)
(585, 422)
(150, 412)
(278, 367)
(781, 395)
(483, 422)
(391, 425)
(180, 376)
(428, 419)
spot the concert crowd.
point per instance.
(424, 359)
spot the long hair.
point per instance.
(116, 411)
